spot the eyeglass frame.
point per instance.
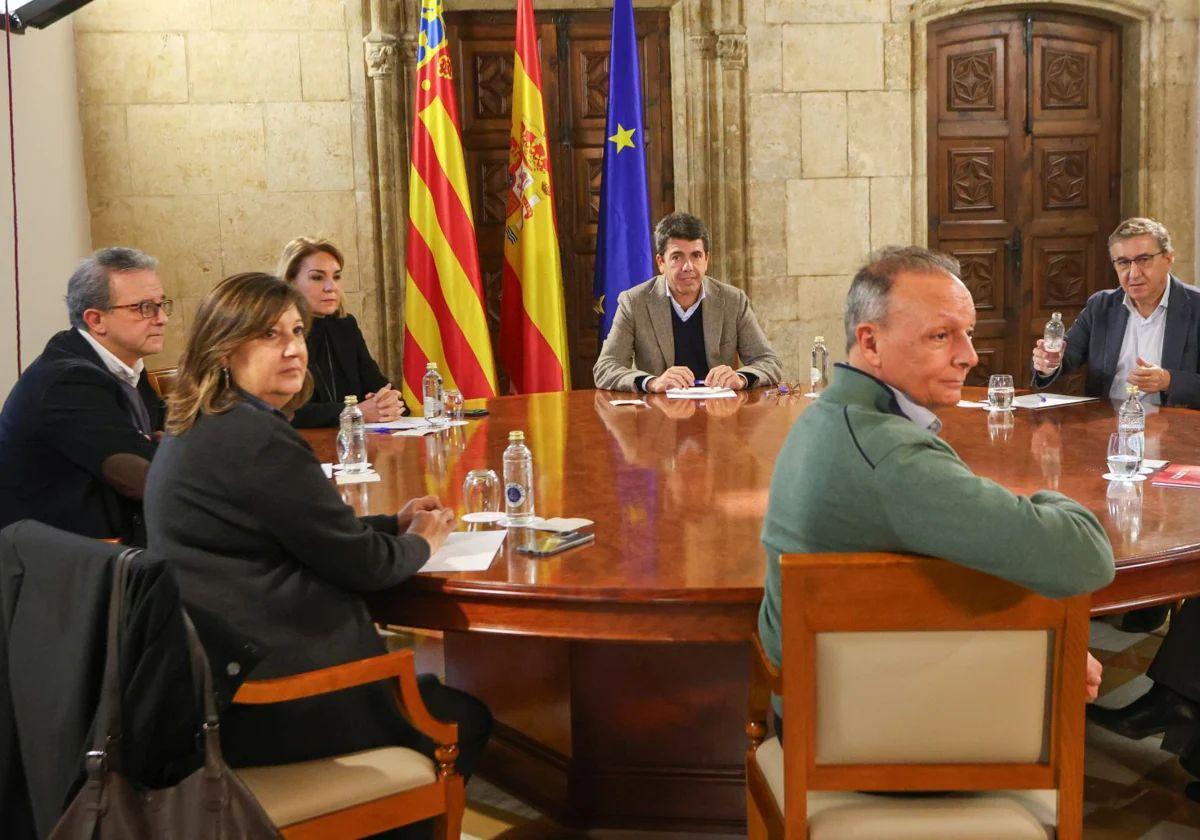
(1142, 260)
(148, 309)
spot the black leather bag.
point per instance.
(210, 804)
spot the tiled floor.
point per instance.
(1133, 790)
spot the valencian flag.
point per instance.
(533, 323)
(624, 257)
(444, 313)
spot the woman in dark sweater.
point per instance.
(338, 358)
(262, 543)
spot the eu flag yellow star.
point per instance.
(623, 138)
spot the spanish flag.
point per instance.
(533, 323)
(444, 318)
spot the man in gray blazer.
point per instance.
(683, 328)
(1145, 333)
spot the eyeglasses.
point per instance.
(148, 309)
(1122, 265)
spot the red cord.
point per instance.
(12, 154)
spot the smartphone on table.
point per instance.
(546, 544)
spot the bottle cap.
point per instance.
(431, 366)
(515, 436)
(820, 339)
(1131, 389)
(351, 400)
(1057, 316)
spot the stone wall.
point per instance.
(216, 130)
(836, 147)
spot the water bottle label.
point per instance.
(514, 493)
(433, 407)
(814, 375)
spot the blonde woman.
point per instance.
(338, 358)
(270, 561)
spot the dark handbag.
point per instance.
(210, 804)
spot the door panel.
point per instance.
(574, 49)
(1023, 168)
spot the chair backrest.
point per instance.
(909, 673)
(163, 380)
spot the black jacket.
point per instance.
(54, 590)
(1096, 336)
(340, 364)
(63, 418)
(254, 532)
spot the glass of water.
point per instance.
(481, 492)
(1124, 456)
(1000, 392)
(453, 401)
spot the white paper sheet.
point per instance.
(700, 392)
(466, 551)
(1039, 401)
(972, 404)
(356, 478)
(412, 423)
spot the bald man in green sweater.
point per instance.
(863, 469)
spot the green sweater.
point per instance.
(856, 475)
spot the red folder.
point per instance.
(1178, 475)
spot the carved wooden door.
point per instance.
(1024, 169)
(574, 49)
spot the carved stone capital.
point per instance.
(731, 49)
(704, 46)
(380, 49)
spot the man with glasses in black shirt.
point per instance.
(79, 428)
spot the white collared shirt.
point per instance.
(115, 366)
(918, 414)
(684, 314)
(1143, 337)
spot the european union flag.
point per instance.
(623, 253)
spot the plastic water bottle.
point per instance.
(518, 480)
(352, 438)
(819, 371)
(1055, 334)
(1131, 421)
(431, 390)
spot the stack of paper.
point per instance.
(700, 392)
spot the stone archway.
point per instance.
(1143, 105)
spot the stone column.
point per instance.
(715, 109)
(385, 53)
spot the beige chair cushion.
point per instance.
(922, 697)
(994, 815)
(292, 793)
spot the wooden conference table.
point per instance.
(618, 672)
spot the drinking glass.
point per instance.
(481, 492)
(453, 401)
(1124, 456)
(1000, 392)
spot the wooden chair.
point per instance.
(912, 674)
(366, 792)
(163, 380)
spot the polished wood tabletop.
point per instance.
(678, 490)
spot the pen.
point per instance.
(1042, 397)
(699, 383)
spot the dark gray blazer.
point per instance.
(642, 335)
(1095, 340)
(239, 508)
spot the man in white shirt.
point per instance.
(79, 428)
(1143, 333)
